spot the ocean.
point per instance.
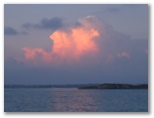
(75, 100)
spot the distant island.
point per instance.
(116, 86)
(84, 86)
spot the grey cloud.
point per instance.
(112, 10)
(53, 24)
(10, 31)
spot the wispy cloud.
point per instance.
(112, 10)
(123, 54)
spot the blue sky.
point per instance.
(122, 44)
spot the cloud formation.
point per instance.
(53, 23)
(86, 53)
(112, 10)
(10, 31)
(69, 45)
(92, 39)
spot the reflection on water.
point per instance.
(74, 100)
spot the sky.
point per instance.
(75, 44)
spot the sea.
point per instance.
(75, 100)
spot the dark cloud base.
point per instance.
(53, 24)
(10, 31)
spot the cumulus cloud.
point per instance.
(92, 39)
(70, 44)
(90, 51)
(53, 23)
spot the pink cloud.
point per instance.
(68, 45)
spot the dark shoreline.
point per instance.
(84, 86)
(116, 86)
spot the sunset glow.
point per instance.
(70, 45)
(58, 44)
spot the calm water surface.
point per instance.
(74, 100)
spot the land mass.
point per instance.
(84, 86)
(49, 86)
(116, 86)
